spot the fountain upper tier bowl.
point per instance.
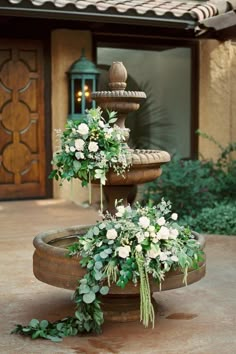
(145, 167)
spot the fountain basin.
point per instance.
(52, 266)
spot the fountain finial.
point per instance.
(117, 76)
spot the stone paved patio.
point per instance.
(198, 319)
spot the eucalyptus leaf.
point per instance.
(34, 323)
(96, 231)
(84, 289)
(89, 297)
(103, 255)
(98, 265)
(98, 275)
(43, 324)
(104, 290)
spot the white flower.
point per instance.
(101, 124)
(151, 228)
(163, 256)
(124, 251)
(140, 237)
(138, 248)
(93, 146)
(67, 149)
(153, 253)
(72, 148)
(173, 234)
(174, 258)
(155, 239)
(111, 234)
(161, 221)
(146, 234)
(79, 155)
(163, 233)
(83, 129)
(120, 211)
(174, 216)
(79, 144)
(144, 222)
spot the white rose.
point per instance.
(79, 144)
(173, 233)
(146, 234)
(101, 124)
(79, 155)
(138, 248)
(93, 146)
(151, 228)
(140, 237)
(67, 149)
(153, 253)
(144, 222)
(155, 239)
(174, 258)
(83, 129)
(163, 233)
(163, 256)
(111, 234)
(124, 251)
(174, 216)
(72, 149)
(161, 221)
(120, 211)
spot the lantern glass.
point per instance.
(87, 93)
(78, 96)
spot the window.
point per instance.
(164, 74)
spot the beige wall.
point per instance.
(66, 46)
(217, 114)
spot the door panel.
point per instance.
(22, 138)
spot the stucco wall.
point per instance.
(66, 46)
(217, 89)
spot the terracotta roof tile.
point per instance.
(195, 10)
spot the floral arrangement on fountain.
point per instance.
(89, 147)
(136, 246)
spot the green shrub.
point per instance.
(188, 184)
(221, 219)
(194, 185)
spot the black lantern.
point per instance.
(82, 82)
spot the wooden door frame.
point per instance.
(48, 116)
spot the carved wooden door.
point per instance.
(22, 143)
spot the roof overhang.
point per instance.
(205, 16)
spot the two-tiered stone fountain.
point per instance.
(50, 263)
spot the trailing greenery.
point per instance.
(135, 245)
(195, 185)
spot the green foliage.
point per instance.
(220, 219)
(192, 185)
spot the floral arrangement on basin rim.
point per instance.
(138, 245)
(89, 147)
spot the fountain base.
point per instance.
(51, 266)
